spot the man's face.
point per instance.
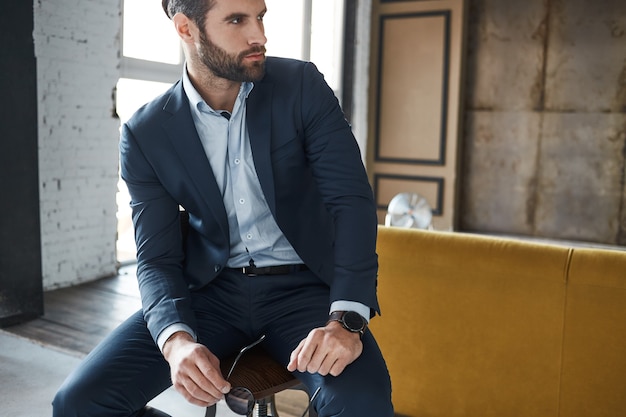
(237, 25)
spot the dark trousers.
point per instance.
(127, 370)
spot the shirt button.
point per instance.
(242, 201)
(249, 236)
(237, 161)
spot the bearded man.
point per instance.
(281, 232)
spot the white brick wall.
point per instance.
(77, 51)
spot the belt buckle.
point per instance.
(247, 271)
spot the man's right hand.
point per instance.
(195, 370)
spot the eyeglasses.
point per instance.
(240, 399)
(311, 401)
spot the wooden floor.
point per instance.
(76, 319)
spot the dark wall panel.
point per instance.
(21, 295)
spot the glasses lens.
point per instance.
(240, 400)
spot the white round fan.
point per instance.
(409, 210)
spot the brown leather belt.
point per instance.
(253, 271)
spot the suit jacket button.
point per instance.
(218, 267)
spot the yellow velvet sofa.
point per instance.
(476, 326)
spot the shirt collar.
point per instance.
(197, 102)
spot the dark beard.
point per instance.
(227, 66)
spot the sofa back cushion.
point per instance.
(470, 325)
(594, 346)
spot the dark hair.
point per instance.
(195, 10)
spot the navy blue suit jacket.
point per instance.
(311, 174)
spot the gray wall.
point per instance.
(544, 145)
(77, 51)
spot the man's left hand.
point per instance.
(326, 350)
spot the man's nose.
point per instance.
(257, 34)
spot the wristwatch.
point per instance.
(350, 320)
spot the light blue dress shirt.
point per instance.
(254, 234)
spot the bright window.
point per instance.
(286, 26)
(148, 33)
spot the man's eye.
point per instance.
(236, 20)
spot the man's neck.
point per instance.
(217, 92)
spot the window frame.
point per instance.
(146, 70)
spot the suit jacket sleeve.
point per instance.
(336, 166)
(164, 292)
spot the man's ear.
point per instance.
(185, 28)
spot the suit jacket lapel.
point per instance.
(259, 119)
(185, 140)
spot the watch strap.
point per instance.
(339, 316)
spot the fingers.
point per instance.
(196, 375)
(327, 357)
(326, 351)
(293, 359)
(197, 392)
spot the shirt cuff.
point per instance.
(170, 330)
(341, 305)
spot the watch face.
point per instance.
(353, 321)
